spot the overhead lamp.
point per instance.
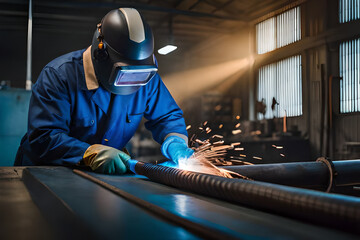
(167, 49)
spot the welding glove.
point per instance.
(105, 159)
(175, 148)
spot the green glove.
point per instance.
(105, 159)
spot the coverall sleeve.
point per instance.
(49, 120)
(163, 114)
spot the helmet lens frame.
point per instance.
(127, 75)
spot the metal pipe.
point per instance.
(331, 210)
(302, 174)
(29, 49)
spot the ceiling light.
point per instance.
(167, 49)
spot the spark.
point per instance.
(235, 144)
(242, 162)
(209, 153)
(218, 143)
(217, 136)
(221, 126)
(239, 149)
(221, 147)
(242, 155)
(237, 125)
(283, 155)
(188, 127)
(277, 147)
(237, 117)
(205, 123)
(234, 132)
(259, 158)
(199, 141)
(199, 163)
(208, 130)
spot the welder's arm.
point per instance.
(175, 148)
(105, 159)
(163, 114)
(49, 120)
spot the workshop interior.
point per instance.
(270, 95)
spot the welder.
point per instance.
(86, 105)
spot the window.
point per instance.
(349, 71)
(282, 81)
(349, 10)
(278, 31)
(265, 36)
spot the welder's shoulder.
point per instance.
(151, 87)
(62, 71)
(67, 67)
(69, 60)
(154, 83)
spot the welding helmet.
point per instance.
(122, 51)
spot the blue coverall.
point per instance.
(65, 117)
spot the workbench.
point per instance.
(56, 203)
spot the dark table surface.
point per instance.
(56, 203)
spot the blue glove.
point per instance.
(175, 148)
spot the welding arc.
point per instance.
(331, 210)
(194, 227)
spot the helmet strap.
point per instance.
(100, 53)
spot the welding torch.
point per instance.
(131, 165)
(173, 148)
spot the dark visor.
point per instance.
(131, 75)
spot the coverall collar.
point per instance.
(101, 97)
(90, 77)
